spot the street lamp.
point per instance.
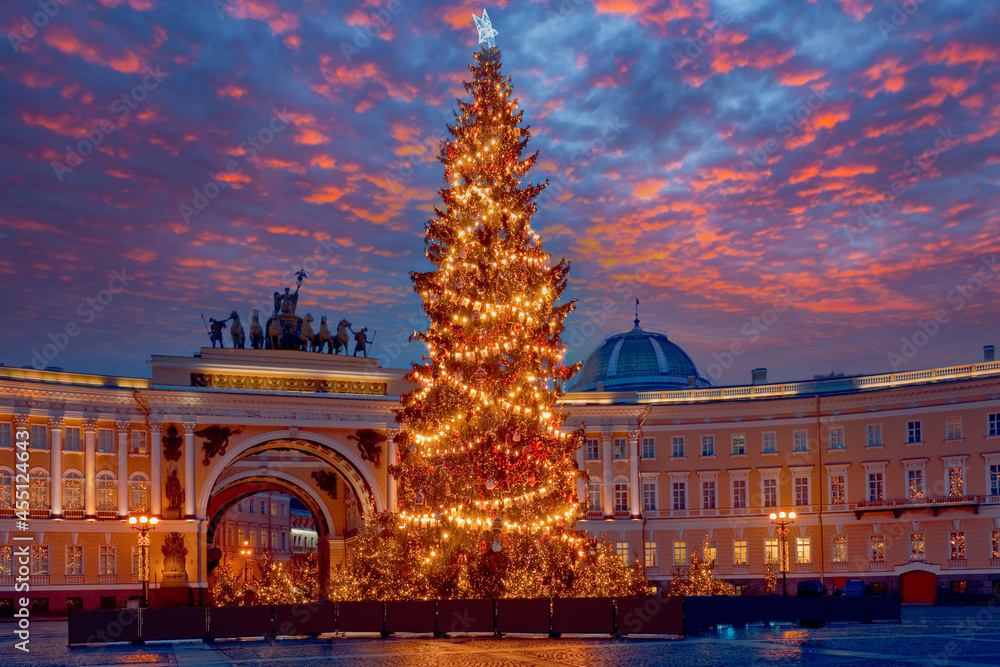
(782, 519)
(247, 554)
(143, 524)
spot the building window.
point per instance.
(956, 485)
(136, 552)
(253, 537)
(621, 450)
(39, 436)
(739, 493)
(770, 492)
(801, 491)
(593, 449)
(769, 443)
(239, 536)
(651, 554)
(139, 494)
(40, 559)
(875, 490)
(839, 549)
(836, 437)
(953, 428)
(106, 440)
(680, 554)
(680, 500)
(74, 560)
(711, 552)
(621, 548)
(740, 552)
(73, 491)
(958, 545)
(995, 543)
(38, 490)
(106, 563)
(915, 483)
(263, 508)
(708, 494)
(803, 553)
(648, 448)
(677, 447)
(739, 444)
(912, 432)
(5, 439)
(594, 497)
(284, 541)
(874, 435)
(6, 489)
(648, 495)
(107, 492)
(771, 553)
(6, 560)
(878, 547)
(916, 546)
(251, 504)
(621, 497)
(994, 479)
(73, 441)
(138, 443)
(838, 489)
(800, 441)
(992, 423)
(708, 445)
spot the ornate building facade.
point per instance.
(895, 478)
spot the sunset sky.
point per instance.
(712, 159)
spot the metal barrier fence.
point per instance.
(599, 616)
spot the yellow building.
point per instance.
(895, 478)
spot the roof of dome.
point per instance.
(637, 360)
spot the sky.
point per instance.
(807, 186)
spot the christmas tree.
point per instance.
(486, 476)
(700, 579)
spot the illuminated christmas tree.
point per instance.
(700, 579)
(486, 476)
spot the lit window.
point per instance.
(800, 441)
(38, 490)
(136, 566)
(72, 441)
(593, 449)
(739, 493)
(995, 543)
(956, 486)
(107, 563)
(648, 495)
(875, 491)
(594, 497)
(740, 552)
(708, 445)
(711, 552)
(769, 488)
(953, 428)
(958, 545)
(915, 483)
(912, 432)
(106, 441)
(648, 448)
(878, 547)
(139, 494)
(838, 489)
(621, 496)
(6, 560)
(803, 553)
(651, 560)
(621, 548)
(138, 443)
(874, 435)
(680, 554)
(801, 491)
(769, 442)
(771, 553)
(836, 437)
(995, 479)
(916, 546)
(6, 489)
(739, 444)
(621, 449)
(73, 491)
(708, 494)
(839, 549)
(107, 492)
(74, 559)
(677, 447)
(679, 496)
(40, 559)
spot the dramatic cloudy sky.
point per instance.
(708, 158)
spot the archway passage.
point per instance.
(918, 587)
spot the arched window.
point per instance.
(72, 491)
(107, 492)
(621, 495)
(38, 489)
(138, 497)
(6, 492)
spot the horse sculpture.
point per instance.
(274, 333)
(256, 332)
(236, 331)
(342, 338)
(306, 337)
(324, 338)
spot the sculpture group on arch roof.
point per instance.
(284, 330)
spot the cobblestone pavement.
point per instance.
(926, 636)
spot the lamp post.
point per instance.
(782, 520)
(143, 524)
(247, 554)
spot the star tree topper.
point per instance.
(486, 31)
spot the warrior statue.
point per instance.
(175, 494)
(284, 327)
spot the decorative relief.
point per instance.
(172, 442)
(216, 440)
(327, 482)
(305, 385)
(369, 444)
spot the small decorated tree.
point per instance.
(770, 578)
(700, 578)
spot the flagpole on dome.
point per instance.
(636, 320)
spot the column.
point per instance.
(55, 465)
(581, 488)
(634, 492)
(90, 468)
(390, 480)
(155, 470)
(609, 496)
(121, 427)
(189, 507)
